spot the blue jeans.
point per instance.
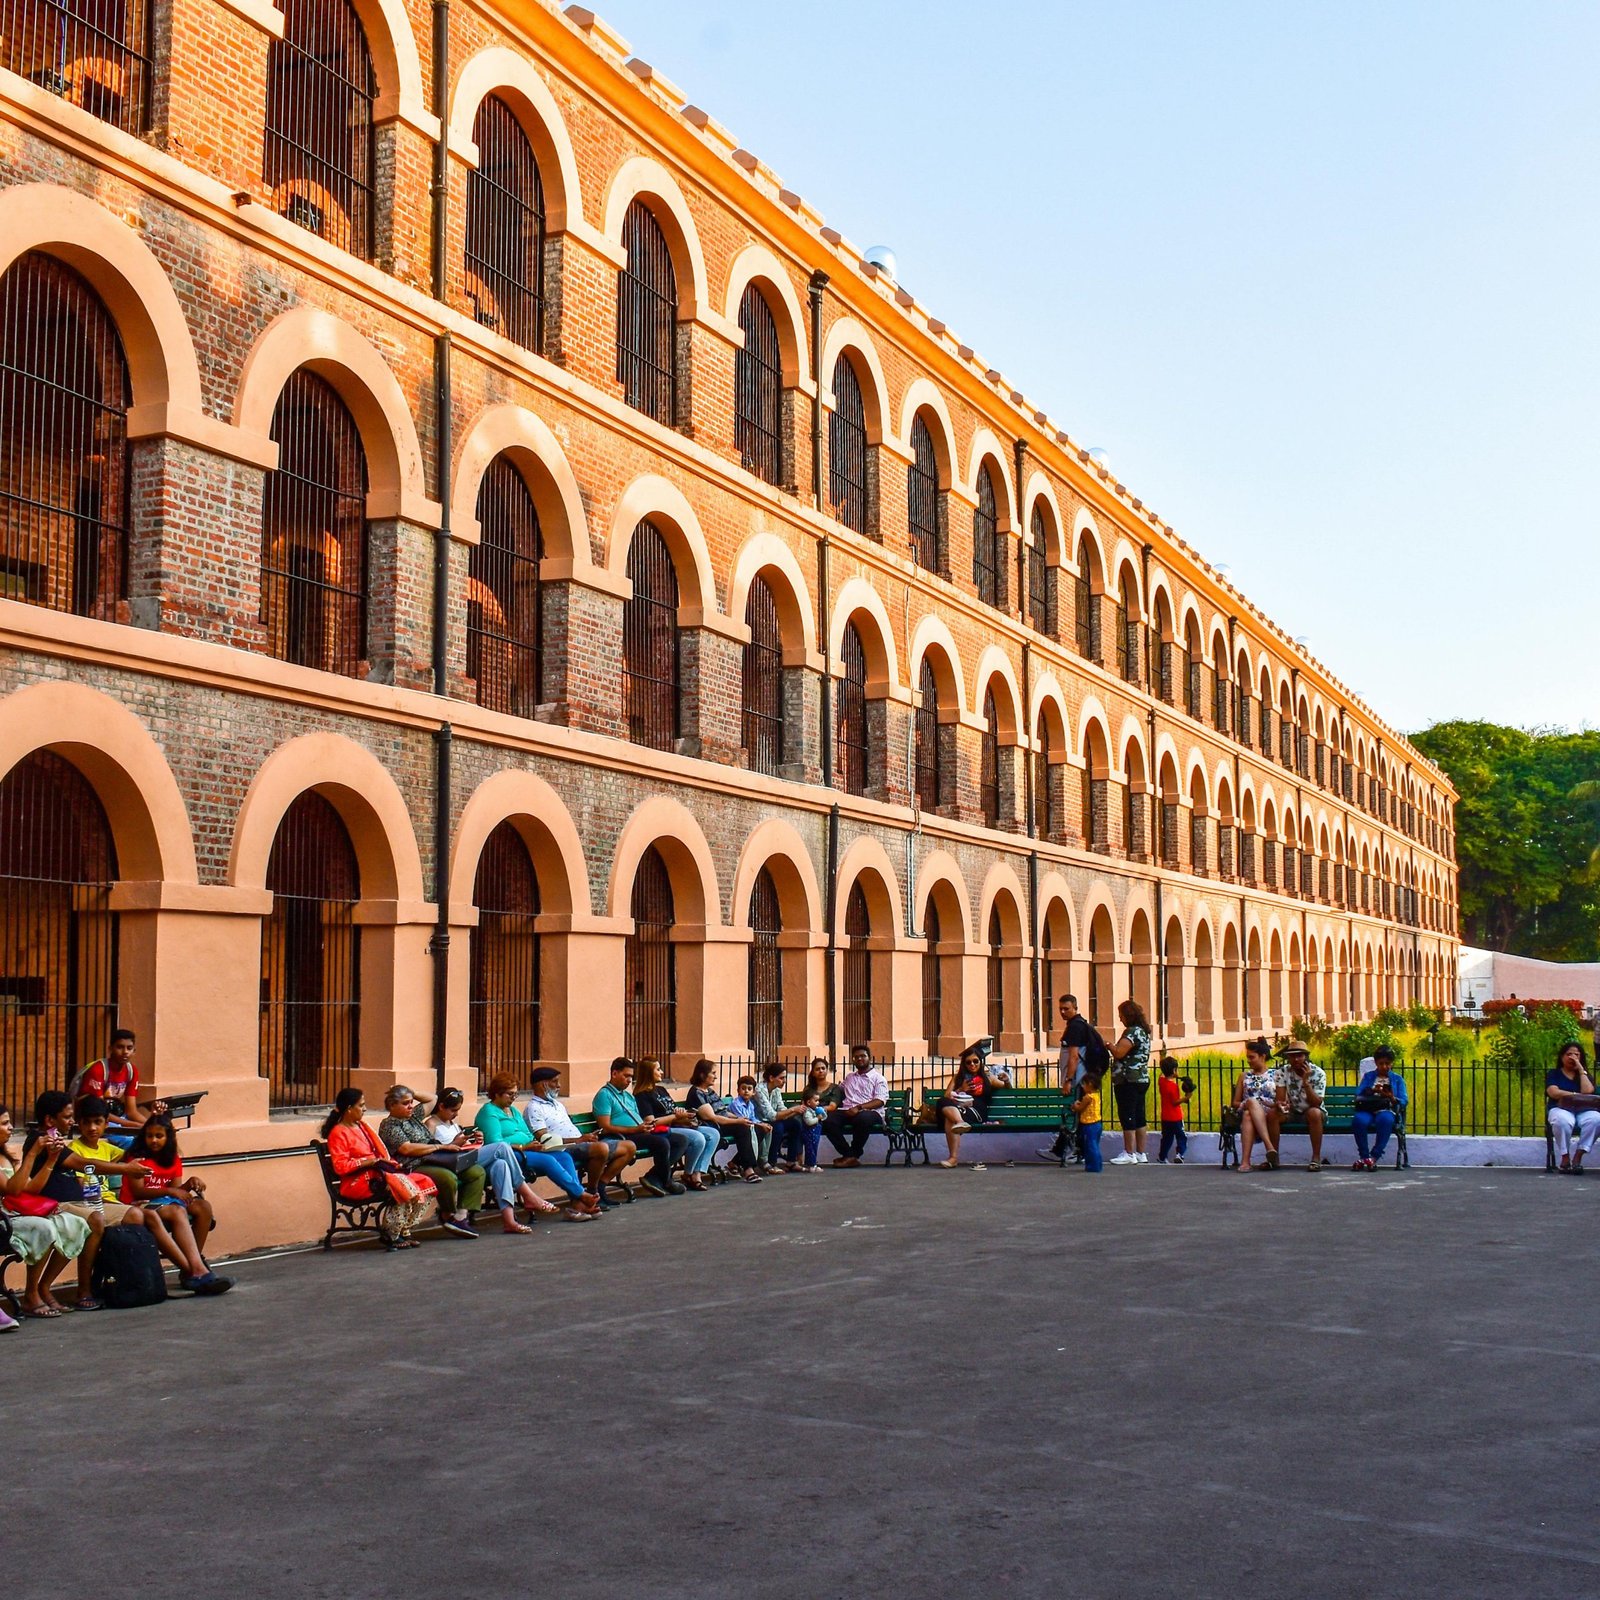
(1172, 1133)
(1091, 1145)
(500, 1162)
(556, 1165)
(1363, 1122)
(696, 1145)
(789, 1138)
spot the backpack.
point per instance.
(1095, 1056)
(127, 1269)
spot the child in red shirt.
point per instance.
(1174, 1096)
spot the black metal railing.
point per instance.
(851, 734)
(847, 448)
(503, 597)
(647, 318)
(505, 228)
(762, 681)
(758, 389)
(94, 53)
(922, 498)
(650, 1008)
(986, 541)
(651, 665)
(764, 991)
(503, 996)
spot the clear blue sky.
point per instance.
(1324, 280)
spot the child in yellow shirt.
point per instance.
(1089, 1122)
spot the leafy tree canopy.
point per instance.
(1527, 835)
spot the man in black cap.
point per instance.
(1301, 1087)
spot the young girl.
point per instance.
(364, 1167)
(1089, 1120)
(812, 1116)
(173, 1204)
(45, 1243)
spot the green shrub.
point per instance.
(1358, 1039)
(1447, 1044)
(1311, 1030)
(1422, 1019)
(1531, 1043)
(1391, 1019)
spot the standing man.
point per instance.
(1301, 1086)
(1075, 1039)
(619, 1117)
(600, 1162)
(859, 1114)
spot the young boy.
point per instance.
(743, 1106)
(1173, 1099)
(114, 1078)
(1089, 1123)
(812, 1116)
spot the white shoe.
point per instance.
(1124, 1160)
(1142, 1159)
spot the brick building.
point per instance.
(489, 577)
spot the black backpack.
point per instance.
(127, 1270)
(1096, 1057)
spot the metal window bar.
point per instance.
(932, 980)
(503, 599)
(1192, 697)
(505, 228)
(1043, 808)
(58, 934)
(930, 792)
(764, 999)
(650, 966)
(1039, 578)
(847, 449)
(651, 668)
(319, 156)
(922, 498)
(647, 318)
(310, 958)
(93, 53)
(758, 389)
(996, 979)
(857, 985)
(852, 714)
(763, 681)
(64, 458)
(989, 774)
(985, 540)
(503, 995)
(314, 532)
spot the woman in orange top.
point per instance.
(364, 1166)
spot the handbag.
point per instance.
(456, 1161)
(30, 1205)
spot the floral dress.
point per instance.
(36, 1237)
(1262, 1086)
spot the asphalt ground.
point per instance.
(1154, 1382)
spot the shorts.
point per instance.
(1131, 1104)
(112, 1210)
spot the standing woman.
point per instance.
(1574, 1122)
(1130, 1081)
(365, 1167)
(1255, 1093)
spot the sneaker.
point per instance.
(1124, 1160)
(1050, 1155)
(1142, 1159)
(462, 1230)
(650, 1185)
(1358, 1165)
(189, 1284)
(674, 1187)
(213, 1283)
(1177, 1161)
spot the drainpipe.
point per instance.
(1149, 622)
(1019, 449)
(819, 281)
(1029, 800)
(830, 978)
(915, 832)
(439, 948)
(1155, 858)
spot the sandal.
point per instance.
(1272, 1160)
(1314, 1166)
(40, 1312)
(513, 1226)
(89, 1303)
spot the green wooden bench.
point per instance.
(1338, 1113)
(1009, 1111)
(902, 1132)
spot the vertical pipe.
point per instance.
(1019, 449)
(819, 281)
(829, 976)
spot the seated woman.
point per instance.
(1380, 1104)
(457, 1174)
(693, 1142)
(497, 1120)
(781, 1148)
(706, 1104)
(165, 1196)
(1574, 1119)
(364, 1167)
(45, 1237)
(1256, 1096)
(500, 1162)
(970, 1088)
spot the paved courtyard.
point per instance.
(1156, 1382)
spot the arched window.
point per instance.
(503, 999)
(650, 667)
(58, 933)
(64, 397)
(857, 986)
(852, 718)
(310, 958)
(503, 602)
(647, 318)
(93, 53)
(996, 977)
(314, 531)
(1044, 813)
(1086, 607)
(505, 228)
(930, 791)
(1127, 634)
(763, 681)
(932, 980)
(318, 159)
(650, 968)
(986, 541)
(758, 390)
(989, 776)
(1039, 576)
(922, 498)
(765, 998)
(847, 448)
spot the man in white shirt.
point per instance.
(859, 1114)
(599, 1161)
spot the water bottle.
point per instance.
(93, 1192)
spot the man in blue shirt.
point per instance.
(619, 1117)
(1380, 1103)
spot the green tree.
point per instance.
(1527, 835)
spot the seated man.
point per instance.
(1380, 1101)
(601, 1161)
(1301, 1087)
(619, 1117)
(457, 1173)
(115, 1079)
(859, 1114)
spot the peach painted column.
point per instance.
(583, 997)
(396, 995)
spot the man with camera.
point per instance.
(1301, 1086)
